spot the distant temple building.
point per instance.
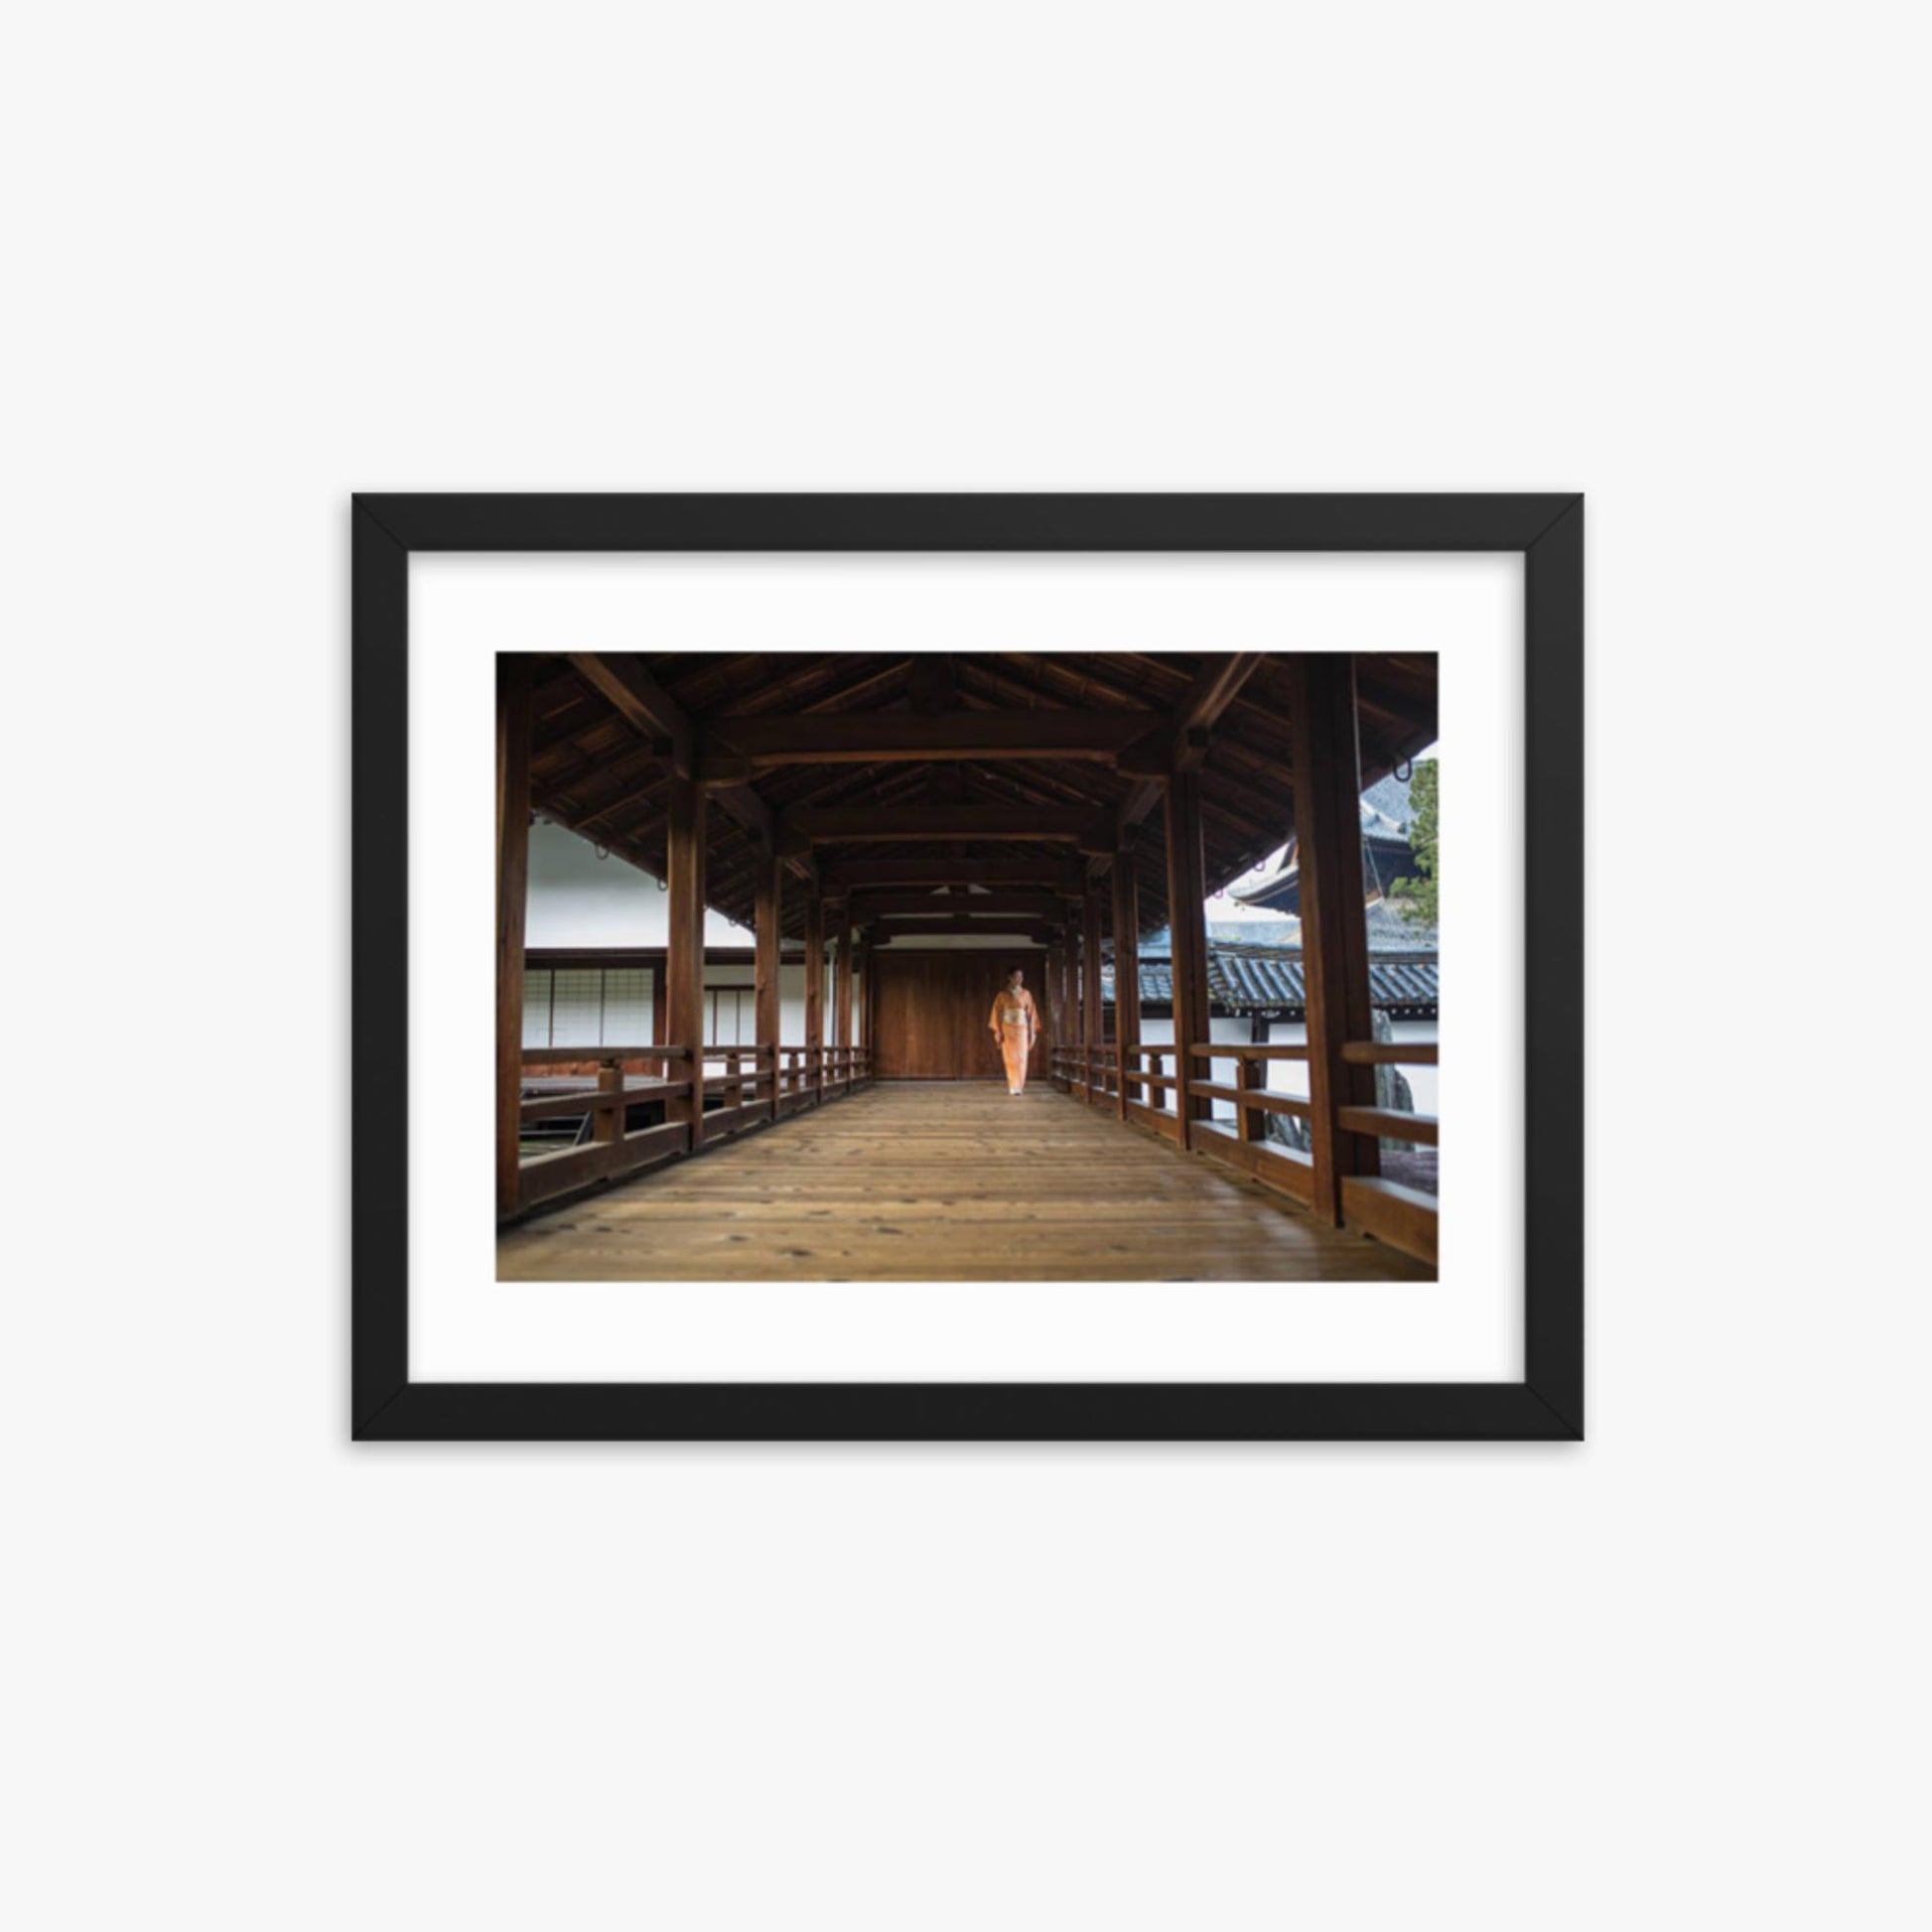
(1388, 814)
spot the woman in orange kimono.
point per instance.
(1015, 1022)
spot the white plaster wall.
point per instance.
(579, 899)
(1288, 1076)
(1423, 1080)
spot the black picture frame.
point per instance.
(1547, 1404)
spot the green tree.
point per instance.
(1416, 897)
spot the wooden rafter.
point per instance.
(603, 771)
(839, 825)
(935, 869)
(643, 703)
(917, 928)
(744, 743)
(865, 904)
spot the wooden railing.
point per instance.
(1404, 1217)
(1094, 1072)
(758, 1087)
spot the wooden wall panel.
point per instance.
(932, 1008)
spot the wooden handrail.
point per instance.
(590, 1100)
(1385, 1052)
(1257, 1097)
(1233, 1049)
(565, 1055)
(1388, 1124)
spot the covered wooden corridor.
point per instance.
(885, 813)
(944, 1181)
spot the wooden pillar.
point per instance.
(1096, 1013)
(1071, 984)
(684, 1012)
(1127, 967)
(512, 900)
(1253, 1124)
(1335, 926)
(842, 986)
(767, 921)
(606, 1123)
(1188, 934)
(1075, 1030)
(815, 993)
(1070, 992)
(1050, 997)
(862, 1025)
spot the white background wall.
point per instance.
(1672, 1678)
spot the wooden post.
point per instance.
(1187, 935)
(1096, 1013)
(769, 904)
(684, 947)
(1253, 1124)
(512, 898)
(1070, 994)
(1052, 998)
(606, 1123)
(842, 992)
(1127, 966)
(1335, 926)
(862, 1026)
(815, 995)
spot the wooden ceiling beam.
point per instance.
(892, 737)
(1091, 831)
(867, 676)
(1216, 685)
(751, 811)
(936, 869)
(1045, 784)
(887, 929)
(1075, 668)
(1180, 743)
(631, 796)
(643, 703)
(943, 905)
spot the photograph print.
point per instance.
(934, 966)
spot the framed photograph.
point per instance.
(968, 967)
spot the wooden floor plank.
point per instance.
(943, 1181)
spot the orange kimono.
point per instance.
(1015, 1022)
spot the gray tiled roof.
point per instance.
(1386, 809)
(1241, 979)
